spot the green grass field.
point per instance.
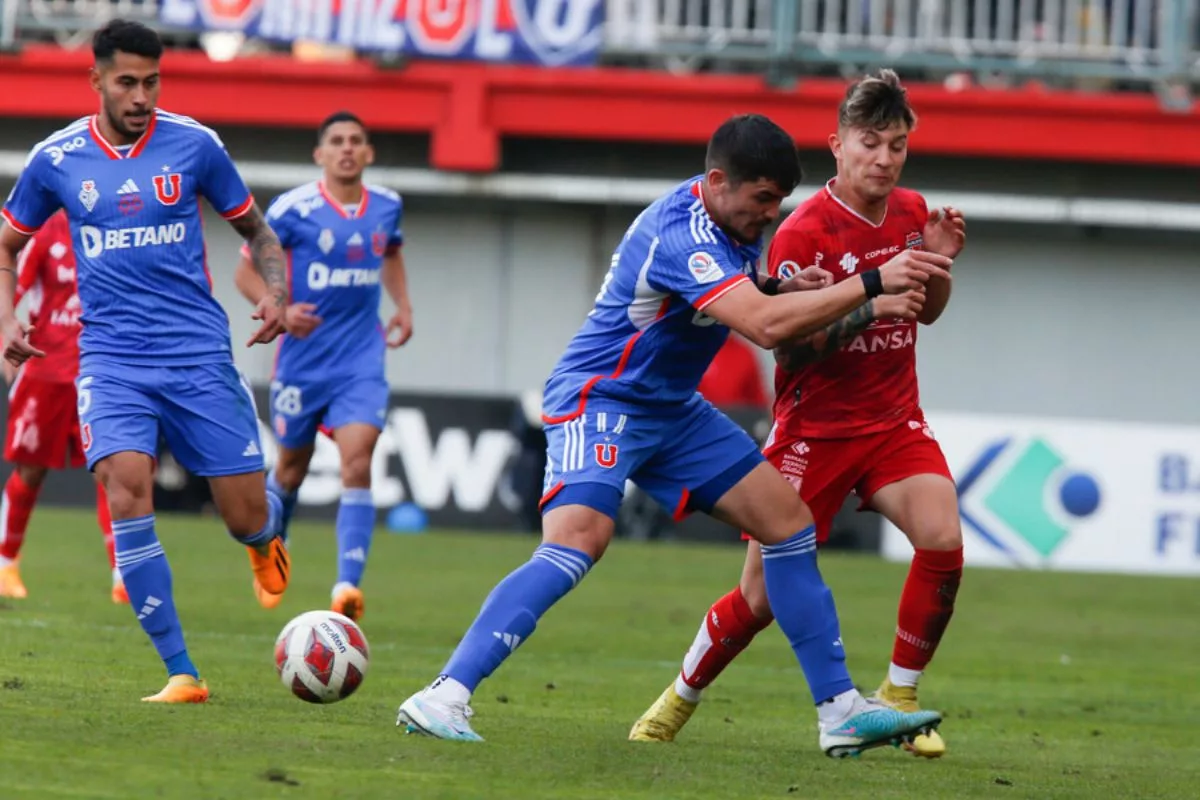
(1054, 686)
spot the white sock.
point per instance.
(5, 562)
(337, 587)
(687, 692)
(839, 708)
(116, 575)
(899, 676)
(447, 690)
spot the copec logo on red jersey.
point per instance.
(550, 32)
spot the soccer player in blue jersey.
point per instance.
(343, 240)
(155, 351)
(622, 404)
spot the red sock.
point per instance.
(18, 503)
(104, 519)
(926, 606)
(728, 628)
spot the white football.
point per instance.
(321, 656)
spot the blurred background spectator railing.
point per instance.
(67, 22)
(1133, 44)
(1135, 41)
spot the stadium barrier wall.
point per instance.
(1071, 495)
(1040, 493)
(443, 461)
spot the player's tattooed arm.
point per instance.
(266, 254)
(814, 347)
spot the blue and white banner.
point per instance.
(1071, 495)
(547, 32)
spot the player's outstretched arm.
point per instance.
(806, 350)
(266, 255)
(395, 281)
(17, 349)
(807, 280)
(773, 321)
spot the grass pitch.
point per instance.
(1054, 686)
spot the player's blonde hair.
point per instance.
(876, 102)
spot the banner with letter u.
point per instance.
(547, 32)
(1073, 495)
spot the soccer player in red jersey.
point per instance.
(43, 423)
(847, 411)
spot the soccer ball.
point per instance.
(321, 656)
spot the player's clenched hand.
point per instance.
(401, 325)
(300, 319)
(911, 269)
(945, 231)
(806, 279)
(272, 311)
(898, 306)
(17, 349)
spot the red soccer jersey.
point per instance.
(46, 272)
(870, 384)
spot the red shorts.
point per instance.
(43, 425)
(825, 471)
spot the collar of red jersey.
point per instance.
(851, 211)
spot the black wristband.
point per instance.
(770, 286)
(873, 283)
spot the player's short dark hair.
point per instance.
(749, 147)
(876, 102)
(335, 118)
(125, 36)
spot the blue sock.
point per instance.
(147, 578)
(803, 605)
(512, 610)
(269, 530)
(287, 500)
(355, 524)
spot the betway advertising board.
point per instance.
(447, 455)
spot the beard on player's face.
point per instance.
(748, 208)
(746, 226)
(119, 120)
(128, 116)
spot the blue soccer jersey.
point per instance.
(335, 256)
(646, 343)
(144, 285)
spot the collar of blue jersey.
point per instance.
(359, 210)
(110, 149)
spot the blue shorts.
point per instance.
(686, 460)
(204, 412)
(299, 407)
